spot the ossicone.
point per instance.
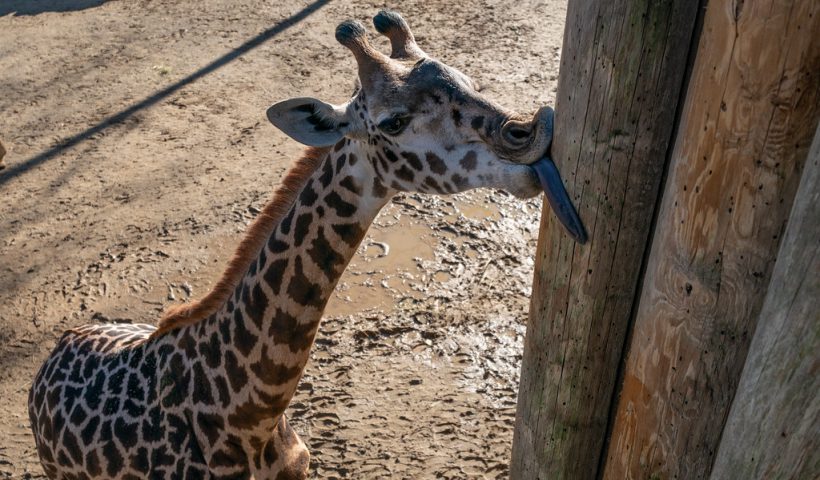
(402, 42)
(352, 35)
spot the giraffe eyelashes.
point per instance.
(394, 125)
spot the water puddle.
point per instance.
(384, 267)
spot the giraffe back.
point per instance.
(97, 411)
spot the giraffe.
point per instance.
(203, 394)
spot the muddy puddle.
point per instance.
(390, 256)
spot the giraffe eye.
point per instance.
(394, 125)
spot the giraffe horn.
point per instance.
(402, 42)
(352, 35)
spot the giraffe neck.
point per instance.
(268, 325)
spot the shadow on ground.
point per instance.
(22, 167)
(36, 7)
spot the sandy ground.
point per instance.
(139, 151)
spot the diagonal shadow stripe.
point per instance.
(16, 170)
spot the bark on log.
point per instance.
(749, 117)
(773, 430)
(622, 71)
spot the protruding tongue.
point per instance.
(559, 199)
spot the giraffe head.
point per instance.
(424, 124)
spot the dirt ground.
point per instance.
(138, 151)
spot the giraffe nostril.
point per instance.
(519, 133)
(516, 134)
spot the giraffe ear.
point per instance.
(310, 121)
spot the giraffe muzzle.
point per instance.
(525, 141)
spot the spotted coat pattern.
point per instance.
(207, 400)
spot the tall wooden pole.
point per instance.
(622, 70)
(773, 430)
(749, 117)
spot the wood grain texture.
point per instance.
(750, 114)
(773, 430)
(622, 70)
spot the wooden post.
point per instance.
(622, 70)
(748, 120)
(773, 430)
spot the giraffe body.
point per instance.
(204, 394)
(120, 406)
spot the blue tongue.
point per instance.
(559, 199)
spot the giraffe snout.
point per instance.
(527, 140)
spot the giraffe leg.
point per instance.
(283, 457)
(293, 451)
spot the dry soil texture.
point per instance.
(139, 151)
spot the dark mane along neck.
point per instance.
(178, 316)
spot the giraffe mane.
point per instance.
(178, 316)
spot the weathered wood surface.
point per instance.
(622, 70)
(749, 117)
(773, 430)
